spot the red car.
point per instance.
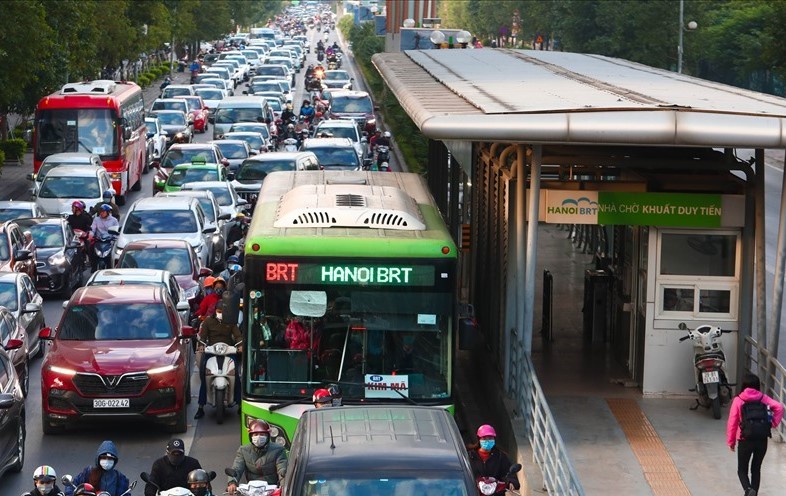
(198, 111)
(119, 352)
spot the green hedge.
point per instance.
(143, 81)
(13, 148)
(2, 158)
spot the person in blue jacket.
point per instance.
(103, 475)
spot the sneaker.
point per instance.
(199, 413)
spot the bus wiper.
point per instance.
(406, 398)
(279, 406)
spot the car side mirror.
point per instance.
(209, 230)
(182, 306)
(13, 344)
(22, 255)
(32, 308)
(224, 217)
(46, 333)
(205, 272)
(187, 332)
(253, 152)
(31, 177)
(7, 400)
(114, 231)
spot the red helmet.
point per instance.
(85, 490)
(258, 427)
(486, 430)
(322, 396)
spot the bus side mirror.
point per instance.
(126, 133)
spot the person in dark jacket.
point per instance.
(103, 475)
(172, 469)
(487, 460)
(79, 219)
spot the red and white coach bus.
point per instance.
(102, 117)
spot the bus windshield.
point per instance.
(385, 342)
(77, 130)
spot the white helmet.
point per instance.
(387, 134)
(44, 473)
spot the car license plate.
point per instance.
(710, 377)
(111, 403)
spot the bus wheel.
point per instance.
(121, 200)
(137, 186)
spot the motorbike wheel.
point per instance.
(716, 407)
(220, 407)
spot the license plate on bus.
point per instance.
(111, 403)
(710, 377)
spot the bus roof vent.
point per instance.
(97, 87)
(374, 207)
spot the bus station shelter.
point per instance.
(663, 172)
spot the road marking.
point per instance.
(659, 469)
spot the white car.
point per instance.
(167, 218)
(286, 88)
(213, 217)
(344, 128)
(211, 96)
(64, 185)
(156, 137)
(221, 84)
(65, 159)
(228, 200)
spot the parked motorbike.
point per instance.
(175, 491)
(709, 363)
(220, 376)
(254, 488)
(103, 245)
(68, 481)
(490, 485)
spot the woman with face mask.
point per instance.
(103, 475)
(487, 460)
(260, 459)
(45, 481)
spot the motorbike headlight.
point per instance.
(118, 252)
(57, 259)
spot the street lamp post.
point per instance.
(691, 26)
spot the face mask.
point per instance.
(199, 491)
(219, 291)
(259, 440)
(45, 488)
(106, 464)
(219, 316)
(175, 459)
(487, 444)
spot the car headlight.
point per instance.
(200, 248)
(191, 292)
(62, 371)
(118, 252)
(179, 135)
(161, 370)
(57, 259)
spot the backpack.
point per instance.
(755, 420)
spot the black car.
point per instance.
(60, 255)
(13, 340)
(12, 411)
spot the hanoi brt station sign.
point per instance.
(642, 208)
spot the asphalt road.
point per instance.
(139, 443)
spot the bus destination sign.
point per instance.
(349, 274)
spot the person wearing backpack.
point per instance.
(751, 417)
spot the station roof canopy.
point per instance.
(568, 98)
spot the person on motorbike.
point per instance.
(260, 459)
(102, 475)
(307, 111)
(287, 115)
(309, 72)
(85, 489)
(320, 46)
(336, 47)
(213, 331)
(214, 289)
(167, 82)
(199, 483)
(45, 482)
(172, 469)
(100, 227)
(79, 219)
(107, 200)
(487, 460)
(233, 267)
(383, 140)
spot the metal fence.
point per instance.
(548, 450)
(772, 374)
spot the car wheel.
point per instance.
(20, 445)
(25, 379)
(181, 423)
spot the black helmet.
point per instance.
(198, 475)
(335, 394)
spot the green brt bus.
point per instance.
(350, 278)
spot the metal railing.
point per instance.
(772, 374)
(548, 450)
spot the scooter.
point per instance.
(709, 363)
(290, 145)
(490, 485)
(103, 245)
(68, 481)
(220, 376)
(254, 488)
(175, 491)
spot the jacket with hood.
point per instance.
(112, 480)
(733, 433)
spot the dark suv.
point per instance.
(120, 352)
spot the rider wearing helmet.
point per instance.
(107, 200)
(199, 482)
(487, 460)
(322, 398)
(287, 114)
(103, 473)
(45, 482)
(103, 221)
(383, 140)
(233, 267)
(85, 489)
(214, 289)
(79, 219)
(259, 459)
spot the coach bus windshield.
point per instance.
(76, 130)
(375, 338)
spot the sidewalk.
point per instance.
(13, 178)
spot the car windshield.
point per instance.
(252, 127)
(218, 83)
(339, 132)
(229, 115)
(77, 130)
(351, 105)
(222, 194)
(14, 213)
(275, 104)
(257, 170)
(178, 104)
(232, 150)
(152, 127)
(70, 187)
(177, 156)
(210, 94)
(336, 76)
(46, 235)
(171, 119)
(255, 141)
(175, 260)
(192, 174)
(444, 484)
(8, 295)
(170, 92)
(160, 222)
(271, 71)
(193, 103)
(106, 321)
(265, 86)
(336, 157)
